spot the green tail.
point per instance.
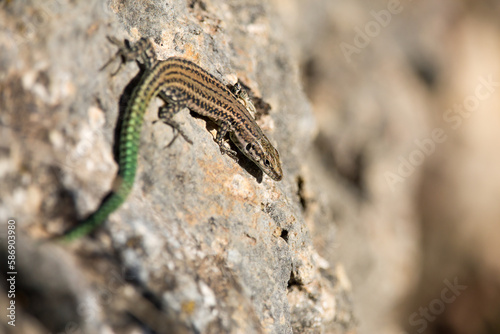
(110, 204)
(127, 160)
(128, 145)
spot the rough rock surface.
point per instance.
(367, 229)
(203, 244)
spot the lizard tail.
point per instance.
(108, 205)
(129, 139)
(127, 161)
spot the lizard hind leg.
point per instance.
(142, 49)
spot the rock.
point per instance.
(203, 243)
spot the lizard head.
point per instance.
(263, 153)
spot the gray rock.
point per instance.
(203, 244)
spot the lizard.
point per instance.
(181, 84)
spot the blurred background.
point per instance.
(401, 187)
(406, 95)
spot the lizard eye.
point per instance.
(266, 162)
